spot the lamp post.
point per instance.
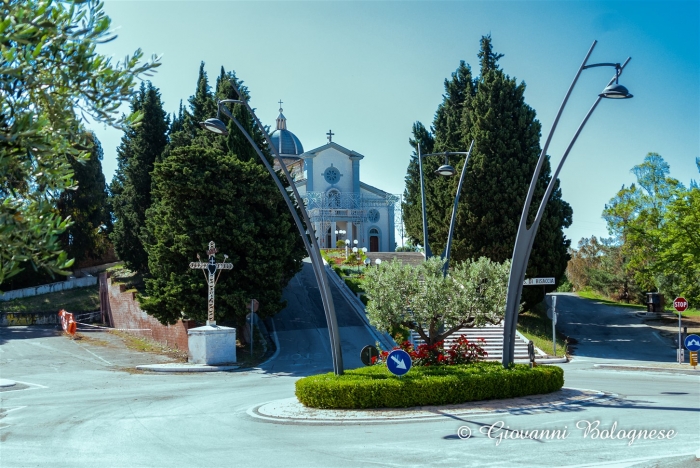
(526, 235)
(446, 171)
(347, 244)
(310, 241)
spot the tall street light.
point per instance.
(446, 171)
(307, 234)
(526, 235)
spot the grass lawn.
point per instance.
(605, 301)
(539, 330)
(78, 300)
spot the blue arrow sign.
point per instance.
(398, 362)
(692, 342)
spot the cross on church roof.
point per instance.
(280, 105)
(330, 135)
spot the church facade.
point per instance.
(340, 206)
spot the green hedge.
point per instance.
(376, 387)
(354, 284)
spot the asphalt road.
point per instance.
(78, 405)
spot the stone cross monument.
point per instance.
(212, 267)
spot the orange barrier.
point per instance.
(67, 322)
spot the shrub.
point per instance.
(376, 387)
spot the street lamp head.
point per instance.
(355, 242)
(215, 126)
(354, 250)
(364, 249)
(378, 261)
(347, 241)
(615, 91)
(446, 170)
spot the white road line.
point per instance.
(656, 334)
(98, 357)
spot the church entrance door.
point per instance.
(374, 243)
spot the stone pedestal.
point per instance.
(212, 345)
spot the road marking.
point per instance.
(656, 334)
(630, 461)
(98, 357)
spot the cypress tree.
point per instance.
(491, 110)
(86, 238)
(140, 148)
(213, 188)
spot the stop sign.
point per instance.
(680, 304)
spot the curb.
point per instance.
(290, 411)
(649, 368)
(184, 367)
(559, 360)
(7, 383)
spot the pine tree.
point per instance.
(86, 239)
(140, 148)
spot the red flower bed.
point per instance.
(462, 351)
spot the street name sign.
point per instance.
(692, 342)
(398, 362)
(680, 304)
(694, 358)
(538, 281)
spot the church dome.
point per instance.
(286, 143)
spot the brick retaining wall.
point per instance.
(121, 310)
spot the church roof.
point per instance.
(286, 143)
(312, 153)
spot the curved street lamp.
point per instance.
(310, 242)
(526, 235)
(446, 171)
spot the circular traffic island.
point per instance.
(376, 387)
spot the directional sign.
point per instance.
(367, 354)
(680, 304)
(398, 362)
(538, 281)
(692, 342)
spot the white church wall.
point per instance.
(340, 161)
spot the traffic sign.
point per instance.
(680, 304)
(367, 353)
(693, 358)
(692, 342)
(538, 281)
(398, 362)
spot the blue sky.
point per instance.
(368, 70)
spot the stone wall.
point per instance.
(122, 311)
(11, 319)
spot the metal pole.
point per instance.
(426, 247)
(680, 346)
(251, 328)
(554, 323)
(312, 248)
(525, 236)
(453, 219)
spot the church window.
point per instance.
(332, 175)
(333, 199)
(373, 215)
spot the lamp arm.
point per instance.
(550, 186)
(313, 249)
(453, 220)
(426, 247)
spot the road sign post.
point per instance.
(552, 314)
(680, 304)
(692, 343)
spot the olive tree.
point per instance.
(51, 78)
(421, 298)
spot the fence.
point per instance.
(71, 283)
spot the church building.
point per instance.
(341, 207)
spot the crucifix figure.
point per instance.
(330, 135)
(211, 266)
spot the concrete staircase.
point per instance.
(493, 335)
